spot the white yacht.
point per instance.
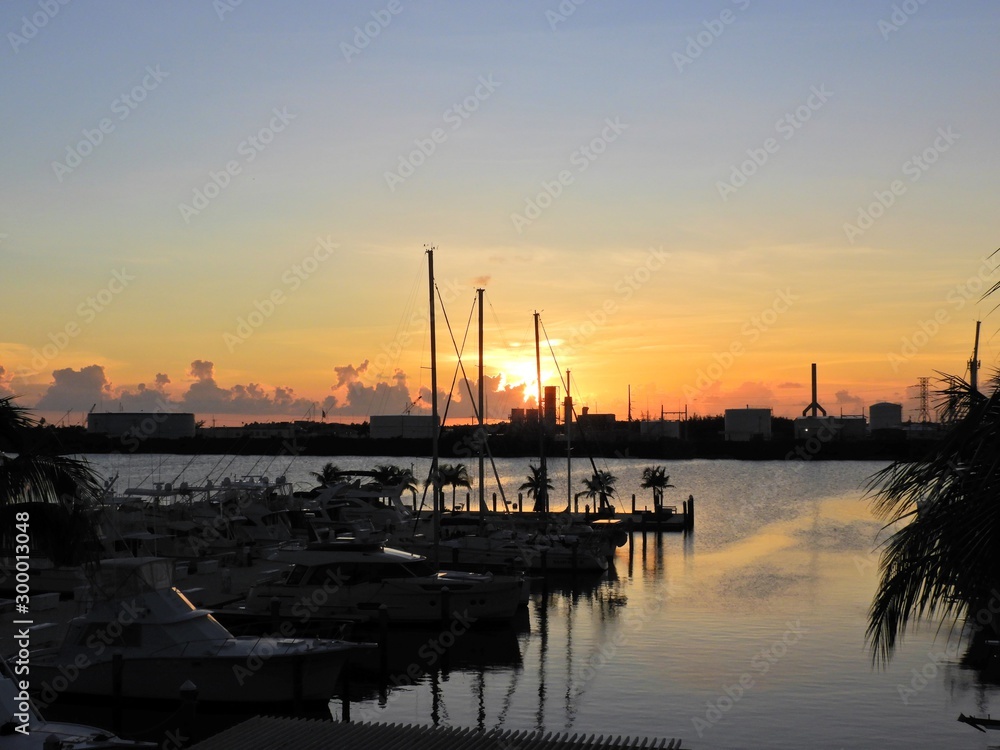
(164, 641)
(23, 728)
(352, 579)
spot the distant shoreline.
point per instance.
(453, 448)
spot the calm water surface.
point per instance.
(747, 633)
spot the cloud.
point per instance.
(789, 385)
(206, 396)
(5, 379)
(145, 398)
(481, 281)
(351, 396)
(845, 399)
(358, 399)
(349, 374)
(76, 389)
(715, 400)
(202, 370)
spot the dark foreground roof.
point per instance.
(304, 734)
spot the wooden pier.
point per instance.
(267, 733)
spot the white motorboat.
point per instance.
(23, 728)
(163, 641)
(352, 579)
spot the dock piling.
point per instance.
(383, 642)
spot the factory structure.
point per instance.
(157, 424)
(885, 421)
(559, 419)
(749, 424)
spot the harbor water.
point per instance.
(747, 633)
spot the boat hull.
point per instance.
(406, 600)
(261, 676)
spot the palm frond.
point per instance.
(942, 518)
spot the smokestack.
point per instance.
(815, 400)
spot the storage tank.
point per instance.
(886, 416)
(748, 424)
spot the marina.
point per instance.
(715, 637)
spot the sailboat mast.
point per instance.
(543, 500)
(434, 407)
(569, 449)
(482, 410)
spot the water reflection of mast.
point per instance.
(570, 708)
(543, 623)
(481, 689)
(435, 698)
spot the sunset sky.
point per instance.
(222, 208)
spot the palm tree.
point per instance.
(656, 479)
(58, 492)
(537, 486)
(389, 475)
(940, 560)
(600, 485)
(328, 474)
(454, 476)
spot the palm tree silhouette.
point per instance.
(601, 485)
(941, 559)
(537, 486)
(656, 479)
(390, 475)
(454, 476)
(59, 493)
(328, 474)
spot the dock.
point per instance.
(271, 733)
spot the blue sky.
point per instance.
(697, 90)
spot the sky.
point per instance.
(223, 207)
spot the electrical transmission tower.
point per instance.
(924, 384)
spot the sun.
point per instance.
(516, 372)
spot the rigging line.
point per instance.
(152, 471)
(496, 319)
(185, 467)
(582, 428)
(472, 399)
(458, 353)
